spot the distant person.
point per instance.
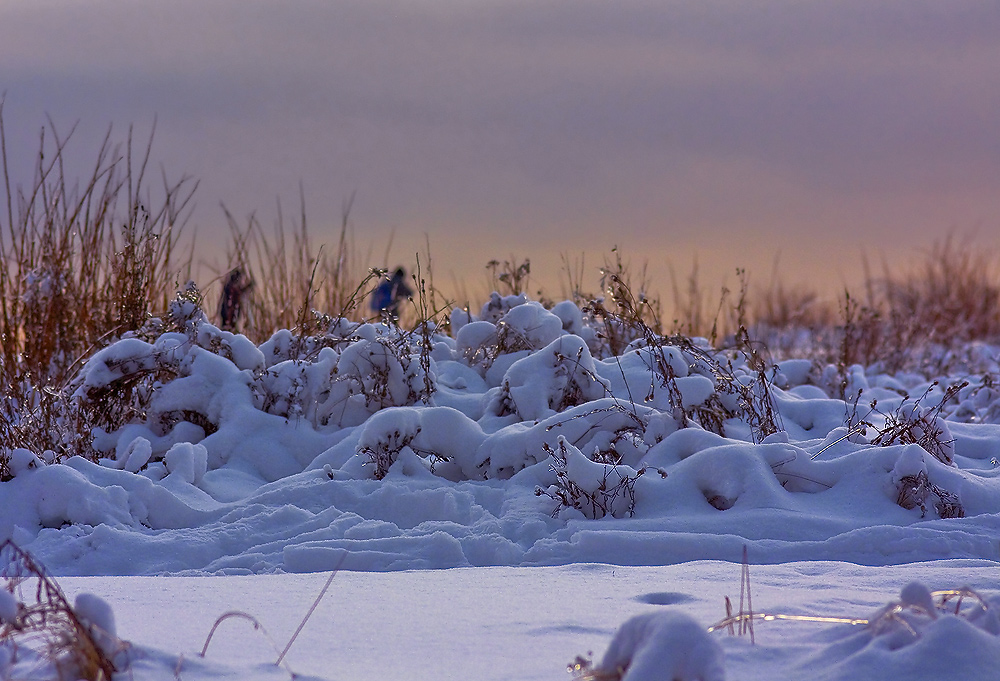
(390, 293)
(233, 295)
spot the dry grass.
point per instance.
(953, 291)
(86, 261)
(291, 276)
(951, 297)
(900, 614)
(49, 627)
(80, 263)
(898, 320)
(509, 277)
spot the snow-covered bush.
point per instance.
(444, 441)
(915, 490)
(609, 430)
(551, 380)
(375, 373)
(594, 489)
(506, 325)
(913, 422)
(498, 306)
(680, 380)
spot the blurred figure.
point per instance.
(390, 293)
(233, 294)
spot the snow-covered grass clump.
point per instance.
(524, 436)
(520, 438)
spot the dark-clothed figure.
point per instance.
(233, 295)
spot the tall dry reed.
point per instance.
(80, 263)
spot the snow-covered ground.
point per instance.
(504, 499)
(503, 623)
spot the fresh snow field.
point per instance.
(500, 623)
(504, 499)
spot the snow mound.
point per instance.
(535, 436)
(952, 634)
(663, 645)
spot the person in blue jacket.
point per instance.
(390, 293)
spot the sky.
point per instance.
(739, 134)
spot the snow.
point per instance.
(516, 499)
(529, 623)
(664, 644)
(8, 607)
(99, 618)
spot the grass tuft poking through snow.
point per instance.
(39, 626)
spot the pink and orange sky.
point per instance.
(728, 130)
